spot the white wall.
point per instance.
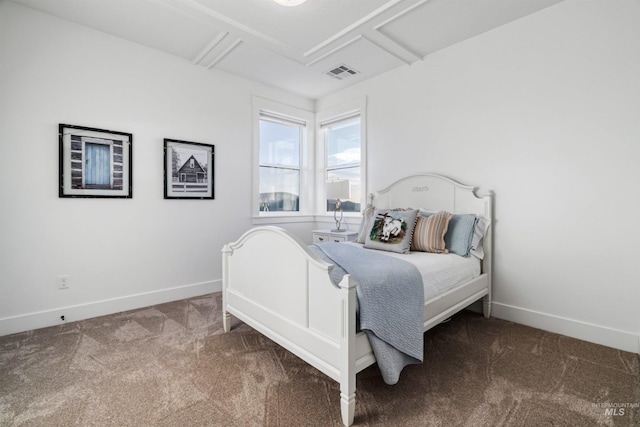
(544, 111)
(119, 254)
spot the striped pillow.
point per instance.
(428, 235)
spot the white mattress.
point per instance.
(440, 272)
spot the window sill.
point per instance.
(351, 220)
(281, 219)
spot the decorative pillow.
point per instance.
(365, 224)
(479, 231)
(391, 230)
(460, 234)
(428, 235)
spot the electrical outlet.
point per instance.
(63, 282)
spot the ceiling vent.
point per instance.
(341, 72)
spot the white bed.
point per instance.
(272, 282)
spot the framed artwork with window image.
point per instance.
(94, 162)
(188, 170)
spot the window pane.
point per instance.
(344, 184)
(279, 189)
(343, 143)
(343, 151)
(279, 143)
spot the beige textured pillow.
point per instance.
(428, 235)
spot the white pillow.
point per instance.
(479, 231)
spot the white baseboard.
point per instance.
(43, 319)
(615, 338)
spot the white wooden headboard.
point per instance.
(433, 192)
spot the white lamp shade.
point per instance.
(339, 189)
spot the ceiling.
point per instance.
(294, 47)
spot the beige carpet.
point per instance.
(171, 365)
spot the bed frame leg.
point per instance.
(486, 306)
(226, 321)
(348, 408)
(348, 351)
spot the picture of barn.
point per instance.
(189, 169)
(192, 171)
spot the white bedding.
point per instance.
(440, 272)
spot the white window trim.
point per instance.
(306, 204)
(340, 112)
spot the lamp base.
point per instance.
(338, 230)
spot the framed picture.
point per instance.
(188, 170)
(94, 162)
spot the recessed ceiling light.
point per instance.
(290, 2)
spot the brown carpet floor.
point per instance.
(171, 365)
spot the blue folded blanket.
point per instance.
(390, 302)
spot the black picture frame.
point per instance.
(94, 162)
(189, 170)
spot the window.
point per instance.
(298, 178)
(281, 150)
(343, 157)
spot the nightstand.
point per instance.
(320, 236)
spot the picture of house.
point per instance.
(191, 171)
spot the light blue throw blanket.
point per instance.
(390, 302)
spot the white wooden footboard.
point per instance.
(274, 284)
